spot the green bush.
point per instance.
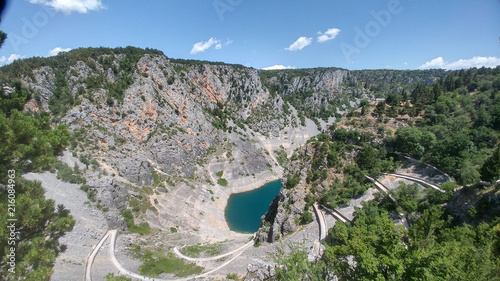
(112, 277)
(222, 182)
(293, 181)
(142, 228)
(156, 264)
(306, 217)
(65, 173)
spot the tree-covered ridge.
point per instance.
(383, 82)
(28, 143)
(450, 123)
(299, 87)
(64, 60)
(460, 123)
(437, 246)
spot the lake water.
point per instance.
(243, 210)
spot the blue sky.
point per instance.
(352, 34)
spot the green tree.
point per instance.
(373, 242)
(295, 265)
(469, 174)
(40, 225)
(380, 108)
(407, 197)
(413, 141)
(3, 36)
(369, 159)
(28, 143)
(490, 171)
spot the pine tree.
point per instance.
(490, 171)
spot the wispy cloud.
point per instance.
(57, 50)
(300, 44)
(203, 46)
(328, 35)
(278, 67)
(439, 62)
(7, 60)
(69, 6)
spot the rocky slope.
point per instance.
(172, 139)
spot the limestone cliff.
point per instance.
(152, 130)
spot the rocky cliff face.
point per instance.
(146, 125)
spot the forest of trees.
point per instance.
(28, 143)
(454, 125)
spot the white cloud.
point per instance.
(328, 35)
(4, 60)
(69, 6)
(278, 67)
(203, 46)
(57, 50)
(439, 62)
(300, 44)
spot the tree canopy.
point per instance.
(28, 142)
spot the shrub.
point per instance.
(306, 217)
(222, 182)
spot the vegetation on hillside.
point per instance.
(454, 125)
(30, 225)
(447, 118)
(437, 246)
(460, 124)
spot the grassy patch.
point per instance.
(232, 276)
(65, 173)
(91, 192)
(112, 277)
(222, 182)
(156, 178)
(195, 250)
(281, 157)
(142, 228)
(156, 264)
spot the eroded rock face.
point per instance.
(285, 210)
(145, 116)
(258, 270)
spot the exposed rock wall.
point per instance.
(141, 117)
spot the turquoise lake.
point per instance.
(243, 210)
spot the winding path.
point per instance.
(239, 251)
(337, 215)
(382, 188)
(122, 270)
(90, 259)
(242, 248)
(321, 221)
(417, 180)
(426, 164)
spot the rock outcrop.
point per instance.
(147, 124)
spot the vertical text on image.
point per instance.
(11, 220)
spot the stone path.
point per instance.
(417, 180)
(322, 222)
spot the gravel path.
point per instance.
(89, 228)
